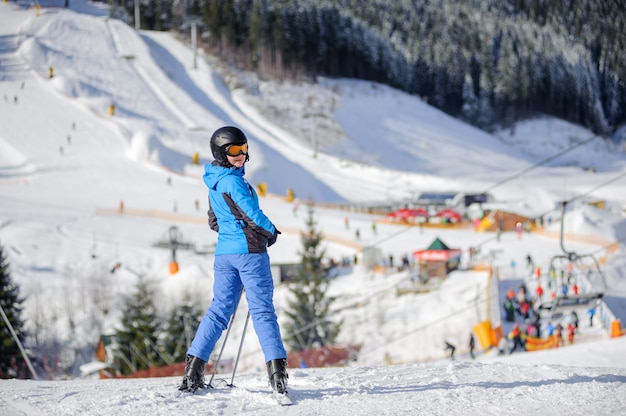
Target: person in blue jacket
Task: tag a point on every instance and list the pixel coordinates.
(241, 261)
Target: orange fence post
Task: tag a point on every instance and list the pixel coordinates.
(616, 328)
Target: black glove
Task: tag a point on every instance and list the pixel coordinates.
(273, 238)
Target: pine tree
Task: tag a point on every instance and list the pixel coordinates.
(180, 329)
(11, 362)
(308, 309)
(470, 110)
(137, 341)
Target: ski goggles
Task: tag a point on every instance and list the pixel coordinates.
(237, 149)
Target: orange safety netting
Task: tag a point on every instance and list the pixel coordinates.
(535, 344)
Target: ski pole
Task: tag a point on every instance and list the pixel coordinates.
(243, 336)
(219, 356)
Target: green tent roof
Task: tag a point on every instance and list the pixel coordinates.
(438, 245)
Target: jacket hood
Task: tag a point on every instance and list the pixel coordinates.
(213, 173)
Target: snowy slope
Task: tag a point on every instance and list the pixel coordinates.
(434, 389)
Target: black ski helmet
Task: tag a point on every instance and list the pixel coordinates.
(224, 137)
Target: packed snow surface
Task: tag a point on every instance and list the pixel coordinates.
(119, 122)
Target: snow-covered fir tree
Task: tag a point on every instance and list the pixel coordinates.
(309, 320)
(138, 338)
(12, 364)
(180, 329)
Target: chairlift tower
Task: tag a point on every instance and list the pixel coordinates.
(137, 16)
(193, 22)
(173, 241)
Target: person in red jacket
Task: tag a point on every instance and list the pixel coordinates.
(571, 330)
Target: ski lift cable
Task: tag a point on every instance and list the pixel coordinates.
(573, 254)
(396, 339)
(503, 181)
(366, 300)
(403, 230)
(572, 200)
(536, 165)
(393, 235)
(608, 246)
(596, 188)
(602, 185)
(564, 204)
(427, 325)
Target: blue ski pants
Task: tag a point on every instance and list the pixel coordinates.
(232, 273)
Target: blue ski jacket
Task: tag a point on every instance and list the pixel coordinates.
(234, 212)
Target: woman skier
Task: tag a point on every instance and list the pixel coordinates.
(241, 261)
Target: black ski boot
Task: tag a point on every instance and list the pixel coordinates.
(277, 372)
(193, 379)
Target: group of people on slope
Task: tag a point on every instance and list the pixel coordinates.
(519, 308)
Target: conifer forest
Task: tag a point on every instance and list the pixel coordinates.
(487, 62)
